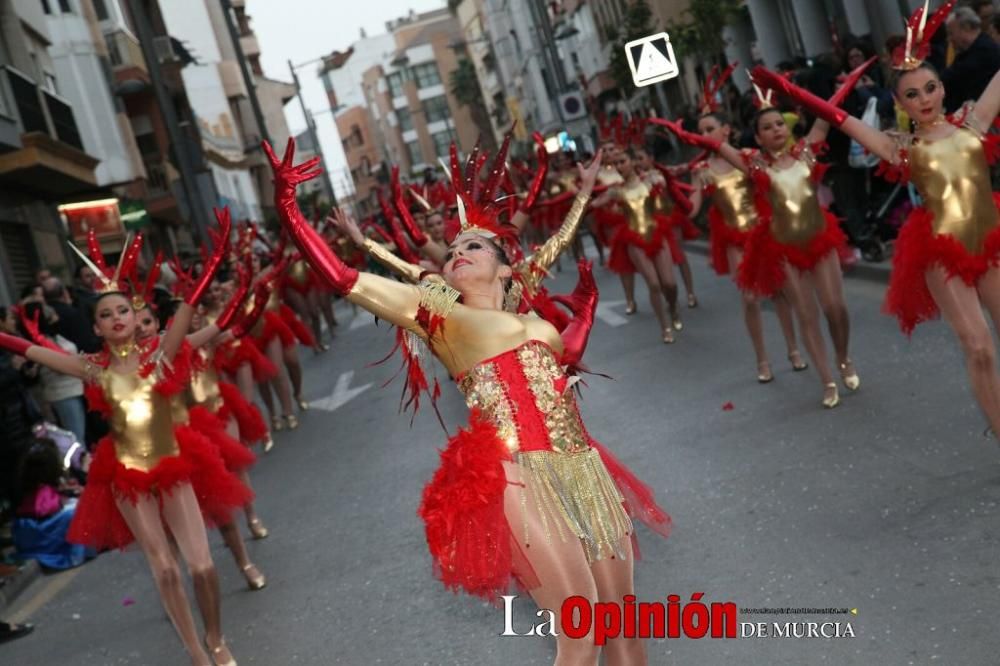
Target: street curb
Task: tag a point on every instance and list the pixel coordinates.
(862, 270)
(14, 585)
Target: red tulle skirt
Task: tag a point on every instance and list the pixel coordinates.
(97, 522)
(664, 232)
(606, 222)
(231, 355)
(249, 420)
(917, 250)
(762, 270)
(286, 327)
(720, 237)
(470, 540)
(235, 455)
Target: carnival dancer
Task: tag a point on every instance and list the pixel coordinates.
(794, 246)
(545, 507)
(154, 473)
(646, 243)
(731, 216)
(947, 255)
(608, 218)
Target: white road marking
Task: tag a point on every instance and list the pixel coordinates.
(342, 393)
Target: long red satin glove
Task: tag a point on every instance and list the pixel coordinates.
(583, 304)
(690, 138)
(828, 110)
(31, 326)
(235, 304)
(409, 224)
(14, 344)
(286, 177)
(220, 241)
(539, 180)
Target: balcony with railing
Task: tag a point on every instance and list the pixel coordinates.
(50, 160)
(127, 62)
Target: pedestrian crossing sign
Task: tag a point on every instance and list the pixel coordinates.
(651, 59)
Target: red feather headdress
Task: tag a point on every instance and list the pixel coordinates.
(919, 31)
(713, 84)
(112, 281)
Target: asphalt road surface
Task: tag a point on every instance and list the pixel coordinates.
(886, 505)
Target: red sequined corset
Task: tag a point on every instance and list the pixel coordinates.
(525, 394)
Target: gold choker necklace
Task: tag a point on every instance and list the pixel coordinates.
(124, 351)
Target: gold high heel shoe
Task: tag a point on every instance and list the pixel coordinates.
(255, 579)
(764, 374)
(675, 320)
(257, 529)
(849, 375)
(798, 365)
(303, 403)
(630, 308)
(217, 652)
(668, 336)
(268, 443)
(831, 398)
(292, 421)
(277, 425)
(692, 301)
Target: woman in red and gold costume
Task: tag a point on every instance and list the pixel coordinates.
(646, 241)
(731, 216)
(154, 473)
(947, 255)
(525, 492)
(794, 246)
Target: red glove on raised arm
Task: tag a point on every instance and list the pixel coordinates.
(31, 326)
(690, 138)
(235, 304)
(583, 304)
(220, 242)
(821, 108)
(14, 344)
(286, 177)
(538, 182)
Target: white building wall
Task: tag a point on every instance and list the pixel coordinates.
(346, 80)
(81, 79)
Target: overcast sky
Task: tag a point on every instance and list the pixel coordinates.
(303, 30)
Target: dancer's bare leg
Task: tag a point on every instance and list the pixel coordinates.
(801, 296)
(300, 304)
(290, 356)
(830, 288)
(268, 399)
(244, 381)
(275, 354)
(628, 286)
(143, 519)
(560, 566)
(253, 521)
(614, 580)
(324, 303)
(751, 312)
(686, 275)
(668, 282)
(960, 306)
(183, 516)
(784, 311)
(645, 266)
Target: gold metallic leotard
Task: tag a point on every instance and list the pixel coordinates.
(204, 387)
(639, 206)
(141, 420)
(797, 216)
(953, 177)
(732, 197)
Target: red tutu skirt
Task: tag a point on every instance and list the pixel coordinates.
(472, 544)
(235, 455)
(606, 224)
(97, 522)
(230, 356)
(286, 327)
(762, 270)
(917, 250)
(248, 417)
(665, 232)
(720, 237)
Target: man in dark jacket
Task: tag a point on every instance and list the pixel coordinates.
(977, 61)
(75, 324)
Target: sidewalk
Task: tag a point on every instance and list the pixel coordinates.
(12, 586)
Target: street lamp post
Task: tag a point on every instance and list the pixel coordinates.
(311, 127)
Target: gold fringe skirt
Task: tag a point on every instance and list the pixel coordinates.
(574, 495)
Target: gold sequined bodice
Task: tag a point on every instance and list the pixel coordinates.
(639, 206)
(733, 198)
(141, 420)
(298, 272)
(204, 387)
(525, 394)
(797, 217)
(953, 177)
(609, 176)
